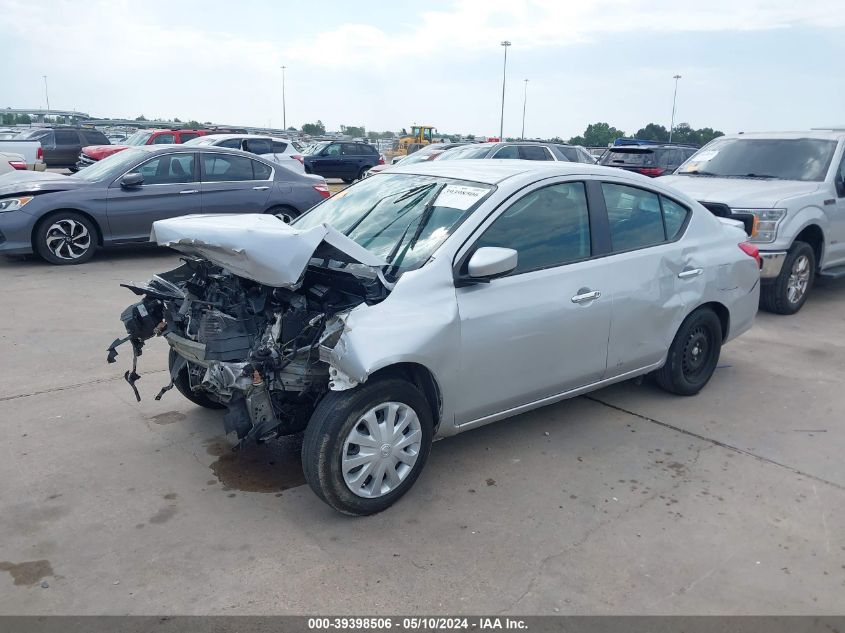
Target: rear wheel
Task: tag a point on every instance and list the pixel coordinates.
(787, 293)
(284, 213)
(348, 181)
(693, 355)
(364, 448)
(183, 385)
(66, 238)
(363, 173)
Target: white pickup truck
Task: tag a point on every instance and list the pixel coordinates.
(792, 185)
(29, 149)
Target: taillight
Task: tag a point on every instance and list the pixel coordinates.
(323, 190)
(18, 164)
(752, 251)
(299, 158)
(381, 160)
(652, 172)
(39, 155)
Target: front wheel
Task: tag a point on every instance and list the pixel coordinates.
(693, 355)
(66, 238)
(364, 448)
(787, 293)
(183, 384)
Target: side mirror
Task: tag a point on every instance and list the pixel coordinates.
(488, 263)
(133, 179)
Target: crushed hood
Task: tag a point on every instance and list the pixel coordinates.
(739, 192)
(258, 247)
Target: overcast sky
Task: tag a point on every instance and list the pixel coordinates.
(746, 64)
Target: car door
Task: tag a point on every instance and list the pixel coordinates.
(328, 162)
(170, 189)
(542, 329)
(234, 183)
(68, 147)
(836, 217)
(353, 159)
(653, 276)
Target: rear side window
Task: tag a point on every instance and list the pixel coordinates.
(534, 152)
(548, 227)
(261, 171)
(258, 145)
(352, 149)
(279, 147)
(187, 136)
(640, 218)
(164, 139)
(93, 137)
(569, 153)
(226, 168)
(66, 137)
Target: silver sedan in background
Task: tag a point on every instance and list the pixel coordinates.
(439, 297)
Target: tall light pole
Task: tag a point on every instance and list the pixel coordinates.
(674, 98)
(504, 71)
(284, 113)
(524, 101)
(46, 94)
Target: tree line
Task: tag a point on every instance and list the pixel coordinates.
(602, 134)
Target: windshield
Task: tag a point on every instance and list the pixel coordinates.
(138, 138)
(316, 148)
(420, 156)
(202, 140)
(784, 159)
(465, 152)
(402, 218)
(111, 166)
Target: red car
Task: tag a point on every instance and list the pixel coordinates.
(92, 153)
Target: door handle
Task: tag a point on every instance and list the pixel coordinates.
(261, 188)
(190, 191)
(694, 272)
(586, 296)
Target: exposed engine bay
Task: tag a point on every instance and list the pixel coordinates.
(238, 344)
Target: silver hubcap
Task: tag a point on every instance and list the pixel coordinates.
(381, 449)
(799, 279)
(68, 239)
(285, 216)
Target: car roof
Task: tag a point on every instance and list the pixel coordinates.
(182, 149)
(494, 171)
(831, 134)
(227, 136)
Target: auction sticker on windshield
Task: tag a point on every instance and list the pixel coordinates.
(460, 196)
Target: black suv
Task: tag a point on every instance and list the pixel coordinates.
(62, 145)
(649, 160)
(341, 159)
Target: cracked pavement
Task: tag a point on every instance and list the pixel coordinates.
(636, 502)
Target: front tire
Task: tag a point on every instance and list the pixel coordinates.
(183, 386)
(693, 355)
(787, 293)
(66, 238)
(364, 448)
(284, 213)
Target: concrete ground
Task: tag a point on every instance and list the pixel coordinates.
(629, 501)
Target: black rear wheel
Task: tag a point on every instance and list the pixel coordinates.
(693, 355)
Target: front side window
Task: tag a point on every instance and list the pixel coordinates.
(164, 139)
(634, 215)
(138, 138)
(226, 168)
(333, 150)
(168, 170)
(508, 151)
(548, 227)
(187, 136)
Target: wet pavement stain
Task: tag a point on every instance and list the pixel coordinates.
(29, 572)
(168, 417)
(163, 515)
(273, 466)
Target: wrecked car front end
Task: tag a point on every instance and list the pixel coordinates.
(250, 342)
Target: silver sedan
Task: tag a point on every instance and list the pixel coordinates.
(439, 297)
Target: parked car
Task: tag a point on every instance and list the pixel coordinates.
(429, 152)
(341, 159)
(522, 150)
(92, 153)
(10, 162)
(280, 150)
(61, 145)
(65, 218)
(439, 297)
(793, 186)
(30, 149)
(648, 160)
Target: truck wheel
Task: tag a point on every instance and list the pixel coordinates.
(66, 238)
(365, 447)
(693, 355)
(183, 386)
(787, 293)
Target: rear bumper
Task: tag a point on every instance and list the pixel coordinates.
(772, 263)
